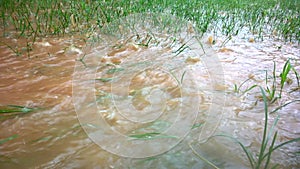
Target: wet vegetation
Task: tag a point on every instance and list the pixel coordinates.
(11, 110)
(268, 95)
(33, 18)
(273, 91)
(267, 147)
(274, 19)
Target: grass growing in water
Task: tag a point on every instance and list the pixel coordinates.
(283, 75)
(154, 130)
(267, 147)
(272, 91)
(269, 95)
(34, 18)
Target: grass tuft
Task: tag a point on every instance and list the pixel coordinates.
(264, 156)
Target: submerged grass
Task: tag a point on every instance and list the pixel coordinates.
(154, 130)
(114, 70)
(10, 111)
(267, 147)
(104, 79)
(151, 135)
(15, 109)
(2, 141)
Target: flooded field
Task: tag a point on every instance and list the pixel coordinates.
(107, 105)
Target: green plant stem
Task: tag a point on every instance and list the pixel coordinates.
(270, 150)
(278, 108)
(264, 142)
(202, 158)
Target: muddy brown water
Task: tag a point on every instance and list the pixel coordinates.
(52, 137)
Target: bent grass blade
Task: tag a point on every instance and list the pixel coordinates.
(278, 108)
(202, 158)
(149, 136)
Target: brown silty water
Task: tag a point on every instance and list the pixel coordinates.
(52, 136)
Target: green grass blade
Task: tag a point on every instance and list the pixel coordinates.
(266, 79)
(272, 128)
(250, 88)
(297, 76)
(202, 158)
(8, 111)
(239, 88)
(197, 125)
(16, 109)
(235, 88)
(247, 152)
(270, 150)
(282, 144)
(285, 71)
(178, 82)
(149, 136)
(41, 139)
(297, 153)
(82, 61)
(264, 141)
(105, 79)
(275, 110)
(274, 74)
(2, 141)
(114, 70)
(182, 77)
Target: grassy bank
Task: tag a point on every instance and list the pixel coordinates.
(32, 18)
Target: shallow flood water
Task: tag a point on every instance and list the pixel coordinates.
(148, 80)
